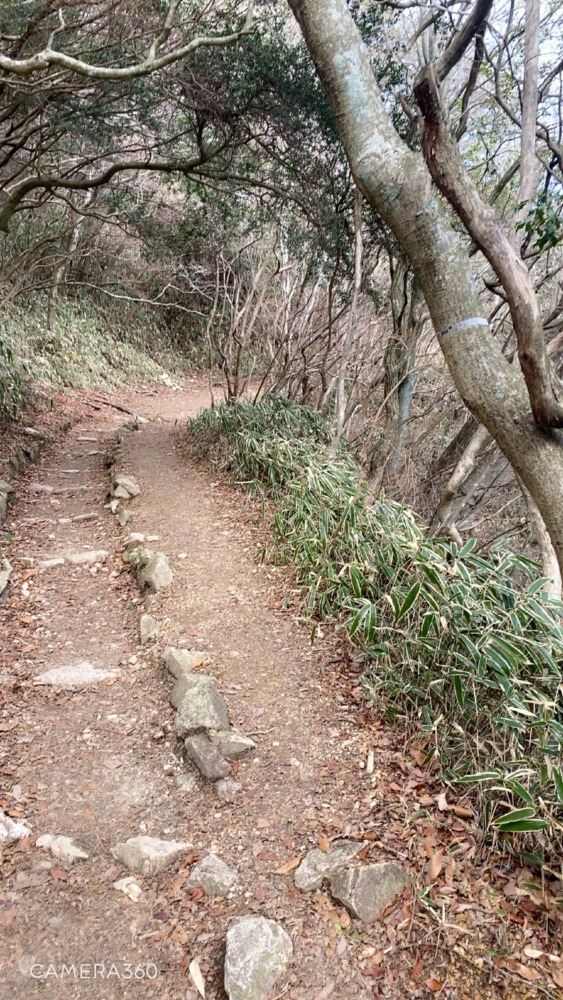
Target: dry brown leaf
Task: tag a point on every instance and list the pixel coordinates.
(435, 866)
(197, 978)
(557, 976)
(323, 843)
(417, 970)
(524, 971)
(289, 866)
(463, 812)
(436, 985)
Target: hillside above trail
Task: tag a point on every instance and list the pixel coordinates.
(103, 759)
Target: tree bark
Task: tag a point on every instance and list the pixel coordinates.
(396, 182)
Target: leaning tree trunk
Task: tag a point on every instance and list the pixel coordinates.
(396, 182)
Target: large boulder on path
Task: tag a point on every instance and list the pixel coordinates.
(258, 953)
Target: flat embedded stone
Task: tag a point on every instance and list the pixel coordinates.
(258, 953)
(39, 488)
(149, 855)
(5, 574)
(87, 557)
(74, 676)
(213, 875)
(227, 789)
(319, 865)
(366, 892)
(206, 758)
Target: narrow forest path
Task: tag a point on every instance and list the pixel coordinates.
(102, 764)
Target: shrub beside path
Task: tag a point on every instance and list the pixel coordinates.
(102, 763)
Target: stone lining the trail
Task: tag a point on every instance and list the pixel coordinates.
(366, 892)
(213, 875)
(179, 660)
(258, 953)
(207, 758)
(202, 707)
(231, 743)
(319, 865)
(149, 855)
(124, 487)
(156, 575)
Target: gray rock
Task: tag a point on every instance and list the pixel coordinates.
(35, 433)
(5, 486)
(156, 574)
(92, 516)
(213, 875)
(319, 865)
(10, 829)
(149, 855)
(148, 627)
(367, 891)
(258, 953)
(134, 539)
(114, 506)
(88, 557)
(5, 574)
(202, 707)
(184, 683)
(206, 757)
(186, 782)
(61, 847)
(231, 743)
(227, 789)
(123, 517)
(3, 507)
(124, 487)
(180, 661)
(77, 675)
(39, 488)
(51, 563)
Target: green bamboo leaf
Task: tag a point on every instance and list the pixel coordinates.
(516, 815)
(409, 601)
(524, 826)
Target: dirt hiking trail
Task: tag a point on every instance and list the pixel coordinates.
(103, 763)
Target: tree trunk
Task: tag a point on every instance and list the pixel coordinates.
(399, 359)
(397, 184)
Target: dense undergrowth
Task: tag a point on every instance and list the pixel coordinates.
(88, 347)
(472, 647)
